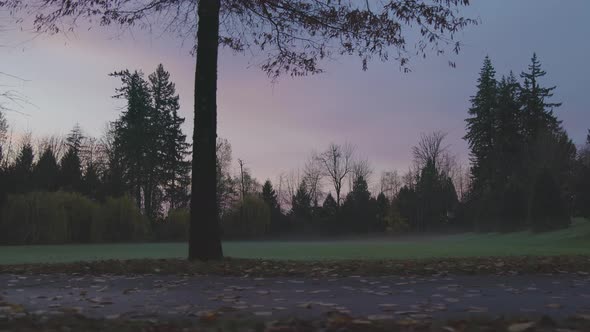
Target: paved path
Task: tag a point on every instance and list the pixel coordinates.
(146, 297)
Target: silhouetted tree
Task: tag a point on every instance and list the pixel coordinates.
(382, 210)
(337, 161)
(357, 208)
(172, 163)
(481, 127)
(21, 172)
(269, 196)
(294, 35)
(135, 140)
(302, 208)
(537, 110)
(46, 172)
(70, 167)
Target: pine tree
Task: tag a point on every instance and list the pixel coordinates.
(357, 209)
(481, 125)
(537, 111)
(70, 164)
(174, 166)
(22, 170)
(270, 196)
(302, 209)
(383, 207)
(134, 139)
(46, 171)
(91, 183)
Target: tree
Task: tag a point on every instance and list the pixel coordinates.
(172, 159)
(312, 174)
(225, 183)
(46, 172)
(383, 211)
(357, 209)
(3, 132)
(22, 169)
(537, 111)
(301, 209)
(390, 184)
(135, 141)
(71, 164)
(481, 125)
(295, 35)
(270, 196)
(337, 161)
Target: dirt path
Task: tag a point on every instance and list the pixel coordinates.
(148, 297)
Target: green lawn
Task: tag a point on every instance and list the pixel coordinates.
(575, 240)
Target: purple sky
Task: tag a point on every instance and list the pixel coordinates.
(274, 127)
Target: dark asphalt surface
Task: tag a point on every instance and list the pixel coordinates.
(146, 297)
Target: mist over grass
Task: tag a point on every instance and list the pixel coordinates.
(572, 241)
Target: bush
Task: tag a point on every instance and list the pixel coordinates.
(118, 220)
(46, 218)
(175, 227)
(252, 218)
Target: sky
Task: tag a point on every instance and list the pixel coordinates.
(274, 127)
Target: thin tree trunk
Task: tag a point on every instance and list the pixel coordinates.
(205, 240)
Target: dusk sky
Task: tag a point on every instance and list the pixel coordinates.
(274, 127)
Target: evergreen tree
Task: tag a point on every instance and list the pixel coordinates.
(22, 170)
(357, 209)
(383, 207)
(480, 126)
(270, 196)
(91, 184)
(302, 209)
(277, 219)
(537, 110)
(70, 164)
(46, 171)
(134, 137)
(173, 164)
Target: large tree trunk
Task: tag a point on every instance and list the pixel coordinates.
(205, 240)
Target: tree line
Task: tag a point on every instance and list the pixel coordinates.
(134, 182)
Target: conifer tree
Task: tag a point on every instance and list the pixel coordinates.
(133, 136)
(537, 110)
(174, 168)
(302, 208)
(46, 172)
(481, 125)
(70, 163)
(21, 172)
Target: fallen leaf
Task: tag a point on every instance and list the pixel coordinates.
(521, 327)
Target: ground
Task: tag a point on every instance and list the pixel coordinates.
(471, 282)
(571, 241)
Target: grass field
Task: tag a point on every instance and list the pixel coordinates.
(575, 240)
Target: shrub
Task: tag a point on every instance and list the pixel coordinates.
(252, 218)
(118, 220)
(175, 227)
(46, 218)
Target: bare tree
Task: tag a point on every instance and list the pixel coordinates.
(430, 149)
(461, 180)
(390, 184)
(337, 162)
(294, 36)
(360, 168)
(312, 174)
